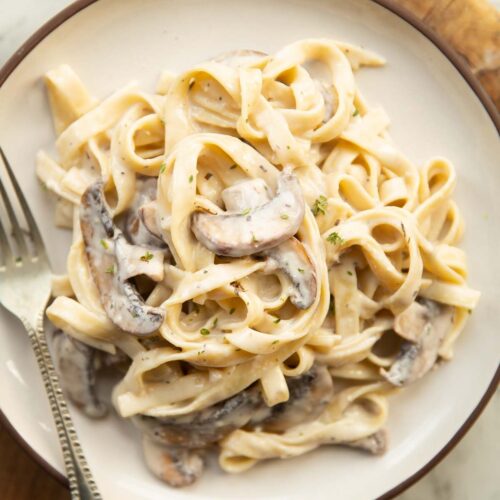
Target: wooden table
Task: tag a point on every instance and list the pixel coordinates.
(472, 27)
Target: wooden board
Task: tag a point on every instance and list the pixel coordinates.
(472, 28)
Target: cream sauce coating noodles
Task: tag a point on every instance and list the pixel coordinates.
(379, 238)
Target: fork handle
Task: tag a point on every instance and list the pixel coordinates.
(81, 483)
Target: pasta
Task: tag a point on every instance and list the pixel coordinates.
(251, 246)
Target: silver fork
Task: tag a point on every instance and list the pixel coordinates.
(25, 290)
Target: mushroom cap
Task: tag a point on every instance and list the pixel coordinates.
(291, 258)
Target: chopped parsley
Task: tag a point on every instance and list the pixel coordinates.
(191, 178)
(110, 270)
(214, 324)
(335, 238)
(356, 112)
(163, 166)
(104, 244)
(147, 256)
(349, 273)
(300, 270)
(276, 321)
(254, 239)
(205, 331)
(320, 205)
(246, 211)
(274, 342)
(284, 216)
(231, 311)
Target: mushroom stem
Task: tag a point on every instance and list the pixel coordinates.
(309, 394)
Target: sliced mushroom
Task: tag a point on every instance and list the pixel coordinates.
(328, 99)
(77, 365)
(203, 428)
(176, 466)
(112, 261)
(253, 230)
(292, 259)
(416, 358)
(290, 256)
(375, 443)
(140, 224)
(309, 394)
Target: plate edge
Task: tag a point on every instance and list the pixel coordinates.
(456, 60)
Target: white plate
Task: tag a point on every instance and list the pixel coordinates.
(433, 112)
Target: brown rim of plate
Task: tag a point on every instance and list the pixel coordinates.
(468, 76)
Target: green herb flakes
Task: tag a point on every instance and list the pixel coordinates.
(319, 206)
(335, 238)
(147, 256)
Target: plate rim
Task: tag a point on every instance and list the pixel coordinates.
(473, 82)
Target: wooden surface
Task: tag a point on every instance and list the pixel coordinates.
(472, 27)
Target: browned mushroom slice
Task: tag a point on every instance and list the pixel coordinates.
(417, 358)
(309, 394)
(77, 365)
(203, 428)
(140, 223)
(176, 466)
(105, 247)
(253, 230)
(291, 256)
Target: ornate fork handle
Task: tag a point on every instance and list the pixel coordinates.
(81, 482)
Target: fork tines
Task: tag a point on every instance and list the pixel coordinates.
(19, 235)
